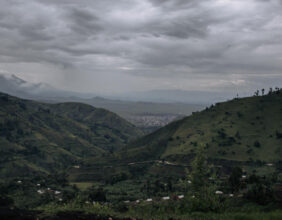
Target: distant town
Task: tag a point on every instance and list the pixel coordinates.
(153, 120)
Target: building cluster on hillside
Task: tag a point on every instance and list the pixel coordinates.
(153, 120)
(165, 198)
(174, 198)
(41, 191)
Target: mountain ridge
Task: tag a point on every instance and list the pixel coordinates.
(38, 137)
(245, 132)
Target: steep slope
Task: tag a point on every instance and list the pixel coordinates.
(121, 130)
(36, 137)
(242, 131)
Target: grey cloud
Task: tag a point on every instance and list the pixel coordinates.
(84, 22)
(175, 4)
(144, 38)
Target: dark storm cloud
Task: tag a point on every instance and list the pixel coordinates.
(175, 4)
(84, 22)
(164, 39)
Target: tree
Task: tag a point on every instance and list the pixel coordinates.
(237, 135)
(204, 198)
(169, 185)
(235, 178)
(260, 193)
(5, 201)
(97, 194)
(262, 91)
(257, 144)
(200, 170)
(270, 91)
(278, 135)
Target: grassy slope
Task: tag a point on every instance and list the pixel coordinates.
(229, 130)
(120, 128)
(36, 137)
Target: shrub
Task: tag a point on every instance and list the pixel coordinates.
(257, 144)
(6, 201)
(221, 133)
(237, 135)
(97, 194)
(120, 207)
(206, 202)
(249, 151)
(235, 178)
(278, 135)
(259, 193)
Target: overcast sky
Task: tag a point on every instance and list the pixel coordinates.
(119, 46)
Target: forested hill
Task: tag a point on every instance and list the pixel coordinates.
(37, 137)
(245, 130)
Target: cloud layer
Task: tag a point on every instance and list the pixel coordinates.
(119, 46)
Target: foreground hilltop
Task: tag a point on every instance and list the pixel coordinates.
(245, 131)
(39, 138)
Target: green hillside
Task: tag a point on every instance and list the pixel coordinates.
(103, 164)
(39, 138)
(244, 132)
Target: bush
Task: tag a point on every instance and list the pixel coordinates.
(118, 178)
(260, 193)
(205, 202)
(235, 178)
(97, 194)
(221, 133)
(6, 201)
(278, 135)
(257, 144)
(120, 207)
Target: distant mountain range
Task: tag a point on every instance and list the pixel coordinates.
(181, 96)
(11, 84)
(14, 85)
(148, 115)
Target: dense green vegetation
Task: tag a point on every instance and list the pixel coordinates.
(254, 197)
(221, 163)
(244, 132)
(43, 138)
